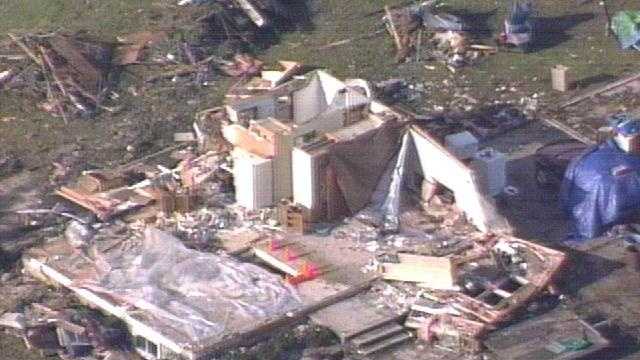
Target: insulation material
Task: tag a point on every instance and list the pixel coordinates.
(391, 205)
(253, 180)
(188, 295)
(359, 164)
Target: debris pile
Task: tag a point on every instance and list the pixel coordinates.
(269, 192)
(75, 70)
(449, 37)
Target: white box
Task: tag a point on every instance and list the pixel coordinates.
(463, 145)
(490, 169)
(253, 179)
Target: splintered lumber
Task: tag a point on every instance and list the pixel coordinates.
(252, 12)
(350, 40)
(569, 131)
(25, 48)
(183, 70)
(103, 208)
(605, 9)
(59, 81)
(87, 73)
(430, 271)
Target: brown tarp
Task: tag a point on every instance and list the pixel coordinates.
(360, 163)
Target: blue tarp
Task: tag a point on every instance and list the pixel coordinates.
(594, 197)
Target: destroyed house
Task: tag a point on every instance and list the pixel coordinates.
(177, 303)
(325, 144)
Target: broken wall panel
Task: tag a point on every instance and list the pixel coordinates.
(309, 101)
(282, 138)
(249, 141)
(440, 165)
(256, 107)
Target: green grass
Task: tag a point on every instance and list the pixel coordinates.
(100, 17)
(580, 45)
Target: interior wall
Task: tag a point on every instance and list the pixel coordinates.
(437, 163)
(309, 101)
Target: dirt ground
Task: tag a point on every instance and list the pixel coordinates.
(568, 34)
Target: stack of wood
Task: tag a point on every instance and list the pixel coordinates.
(75, 70)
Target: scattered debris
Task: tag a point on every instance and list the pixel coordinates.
(133, 45)
(518, 26)
(76, 72)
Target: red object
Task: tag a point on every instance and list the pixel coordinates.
(274, 245)
(308, 272)
(290, 255)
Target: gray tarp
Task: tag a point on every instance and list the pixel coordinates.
(360, 163)
(189, 295)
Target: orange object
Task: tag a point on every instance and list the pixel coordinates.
(308, 272)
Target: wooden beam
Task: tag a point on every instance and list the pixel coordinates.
(600, 90)
(569, 131)
(275, 262)
(392, 28)
(25, 48)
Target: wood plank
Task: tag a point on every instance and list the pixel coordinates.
(275, 262)
(430, 271)
(392, 28)
(600, 90)
(569, 131)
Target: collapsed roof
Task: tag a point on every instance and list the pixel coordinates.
(183, 300)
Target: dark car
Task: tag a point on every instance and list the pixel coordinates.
(553, 159)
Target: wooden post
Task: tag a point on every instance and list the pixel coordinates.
(561, 78)
(392, 28)
(419, 45)
(607, 30)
